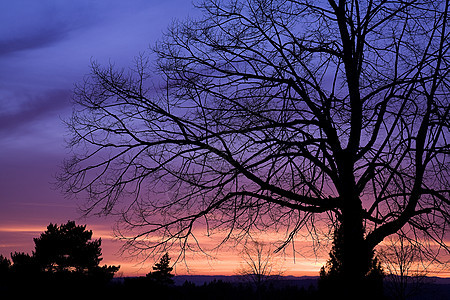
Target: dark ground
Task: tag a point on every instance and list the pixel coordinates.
(198, 288)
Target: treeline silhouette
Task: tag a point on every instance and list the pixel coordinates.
(66, 265)
(217, 289)
(66, 261)
(27, 283)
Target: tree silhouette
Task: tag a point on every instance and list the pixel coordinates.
(69, 248)
(331, 277)
(405, 265)
(275, 115)
(259, 266)
(24, 265)
(5, 265)
(5, 271)
(161, 271)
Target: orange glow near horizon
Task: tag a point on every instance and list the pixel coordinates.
(222, 262)
(225, 261)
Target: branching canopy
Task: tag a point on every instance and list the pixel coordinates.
(273, 114)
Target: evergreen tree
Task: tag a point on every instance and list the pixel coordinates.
(331, 275)
(24, 264)
(69, 249)
(161, 271)
(5, 267)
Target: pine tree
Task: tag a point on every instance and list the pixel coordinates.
(161, 271)
(69, 248)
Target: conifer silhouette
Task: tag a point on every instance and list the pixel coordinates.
(161, 271)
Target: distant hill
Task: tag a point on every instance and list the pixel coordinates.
(283, 281)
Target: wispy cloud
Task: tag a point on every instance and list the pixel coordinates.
(25, 110)
(22, 228)
(29, 24)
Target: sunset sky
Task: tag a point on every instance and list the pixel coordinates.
(45, 47)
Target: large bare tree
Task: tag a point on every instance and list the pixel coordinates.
(275, 114)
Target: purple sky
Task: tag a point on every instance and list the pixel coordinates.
(45, 47)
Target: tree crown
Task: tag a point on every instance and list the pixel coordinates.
(280, 115)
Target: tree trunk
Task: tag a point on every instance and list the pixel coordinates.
(355, 257)
(355, 254)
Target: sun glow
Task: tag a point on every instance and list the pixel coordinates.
(305, 259)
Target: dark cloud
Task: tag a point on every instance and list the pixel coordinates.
(31, 41)
(29, 24)
(33, 109)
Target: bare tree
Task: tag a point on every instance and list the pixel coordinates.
(259, 264)
(406, 266)
(280, 115)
